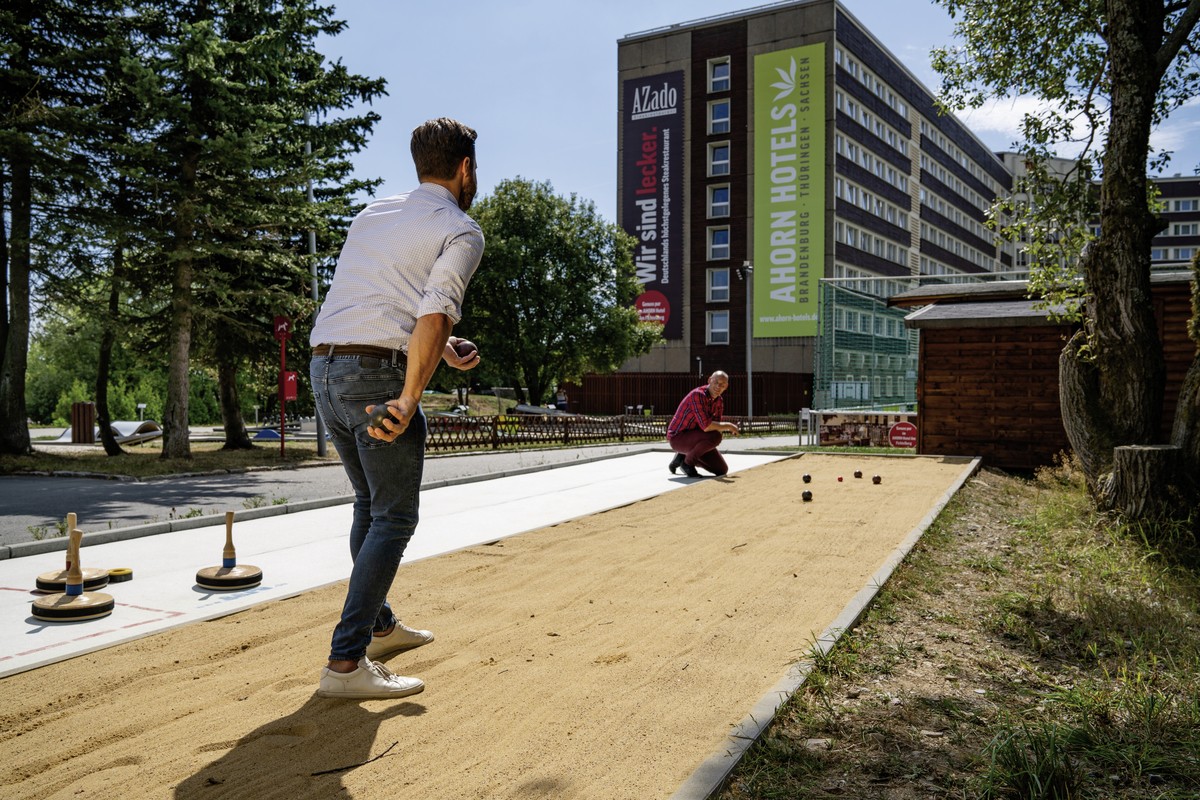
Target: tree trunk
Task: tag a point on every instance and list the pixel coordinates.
(236, 437)
(103, 416)
(14, 349)
(1142, 484)
(175, 414)
(1125, 367)
(1092, 439)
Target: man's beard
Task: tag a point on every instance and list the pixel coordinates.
(467, 195)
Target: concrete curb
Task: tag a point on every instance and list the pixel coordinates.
(709, 778)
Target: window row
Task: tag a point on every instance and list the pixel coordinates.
(871, 203)
(851, 321)
(848, 234)
(957, 246)
(863, 282)
(950, 148)
(870, 162)
(868, 79)
(953, 214)
(855, 111)
(843, 359)
(949, 179)
(1172, 253)
(881, 386)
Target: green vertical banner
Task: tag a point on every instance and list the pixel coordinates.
(789, 190)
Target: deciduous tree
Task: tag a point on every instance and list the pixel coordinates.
(553, 297)
(1105, 73)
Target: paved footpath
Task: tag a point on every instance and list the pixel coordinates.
(33, 505)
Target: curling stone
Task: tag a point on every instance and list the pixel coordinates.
(230, 576)
(74, 604)
(806, 478)
(858, 473)
(93, 578)
(876, 479)
(806, 496)
(120, 574)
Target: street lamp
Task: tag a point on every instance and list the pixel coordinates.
(699, 367)
(312, 265)
(746, 272)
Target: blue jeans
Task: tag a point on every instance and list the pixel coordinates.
(386, 477)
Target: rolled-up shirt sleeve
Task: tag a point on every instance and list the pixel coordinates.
(447, 284)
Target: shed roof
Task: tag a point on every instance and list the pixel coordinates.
(992, 290)
(983, 314)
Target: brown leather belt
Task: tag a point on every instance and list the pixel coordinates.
(395, 356)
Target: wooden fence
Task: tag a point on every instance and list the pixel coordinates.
(452, 433)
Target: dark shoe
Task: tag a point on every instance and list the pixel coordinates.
(676, 463)
(690, 471)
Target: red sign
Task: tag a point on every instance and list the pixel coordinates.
(653, 306)
(283, 328)
(290, 381)
(902, 434)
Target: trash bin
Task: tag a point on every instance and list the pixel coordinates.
(83, 423)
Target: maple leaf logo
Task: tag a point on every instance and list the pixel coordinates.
(787, 81)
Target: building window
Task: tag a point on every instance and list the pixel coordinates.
(718, 75)
(1185, 229)
(718, 327)
(1158, 254)
(1184, 253)
(718, 285)
(1187, 205)
(718, 159)
(718, 116)
(718, 244)
(718, 201)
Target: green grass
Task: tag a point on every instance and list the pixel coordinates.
(144, 461)
(1065, 668)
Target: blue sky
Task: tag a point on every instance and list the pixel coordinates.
(538, 80)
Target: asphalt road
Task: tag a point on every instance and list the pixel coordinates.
(34, 505)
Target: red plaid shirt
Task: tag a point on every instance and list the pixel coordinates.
(696, 410)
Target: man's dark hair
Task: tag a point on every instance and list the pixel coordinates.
(439, 146)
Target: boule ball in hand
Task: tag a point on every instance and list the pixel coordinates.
(379, 414)
(465, 347)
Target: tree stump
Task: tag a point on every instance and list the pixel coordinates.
(1142, 482)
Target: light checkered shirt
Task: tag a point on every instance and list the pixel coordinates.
(405, 256)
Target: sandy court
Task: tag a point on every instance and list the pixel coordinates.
(605, 657)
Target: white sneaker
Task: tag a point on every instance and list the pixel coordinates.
(370, 680)
(402, 637)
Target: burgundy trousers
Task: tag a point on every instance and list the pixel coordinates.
(699, 448)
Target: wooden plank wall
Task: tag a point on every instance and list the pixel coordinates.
(993, 392)
(1173, 306)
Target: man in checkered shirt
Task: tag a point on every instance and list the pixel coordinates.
(696, 429)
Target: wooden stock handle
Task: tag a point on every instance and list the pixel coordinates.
(229, 555)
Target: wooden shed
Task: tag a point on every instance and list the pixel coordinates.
(987, 375)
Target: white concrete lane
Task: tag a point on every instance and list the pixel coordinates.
(306, 550)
